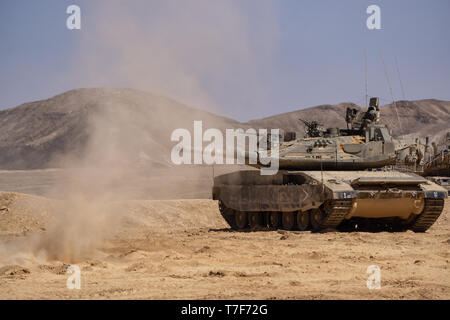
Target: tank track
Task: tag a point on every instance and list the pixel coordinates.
(431, 212)
(336, 211)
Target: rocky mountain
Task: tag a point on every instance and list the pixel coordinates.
(95, 125)
(105, 125)
(422, 117)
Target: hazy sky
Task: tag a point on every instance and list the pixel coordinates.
(244, 59)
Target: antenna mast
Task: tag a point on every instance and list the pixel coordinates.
(392, 94)
(400, 79)
(365, 72)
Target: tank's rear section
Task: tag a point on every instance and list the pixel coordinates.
(329, 199)
(439, 162)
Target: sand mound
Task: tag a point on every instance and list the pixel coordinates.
(68, 231)
(172, 214)
(22, 214)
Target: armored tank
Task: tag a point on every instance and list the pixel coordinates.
(437, 168)
(333, 178)
(439, 161)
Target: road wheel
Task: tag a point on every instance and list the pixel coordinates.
(274, 220)
(288, 220)
(254, 220)
(317, 218)
(303, 220)
(241, 219)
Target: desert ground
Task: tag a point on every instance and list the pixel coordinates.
(182, 249)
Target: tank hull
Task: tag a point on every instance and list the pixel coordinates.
(330, 199)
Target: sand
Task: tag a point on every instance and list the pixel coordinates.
(182, 249)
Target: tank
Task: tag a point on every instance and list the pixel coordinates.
(437, 168)
(438, 163)
(332, 179)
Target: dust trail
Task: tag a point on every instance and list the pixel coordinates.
(171, 55)
(176, 49)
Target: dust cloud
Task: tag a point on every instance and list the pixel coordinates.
(171, 55)
(177, 50)
(84, 212)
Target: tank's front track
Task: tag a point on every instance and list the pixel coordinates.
(431, 212)
(329, 215)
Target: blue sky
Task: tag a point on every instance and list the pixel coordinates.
(244, 59)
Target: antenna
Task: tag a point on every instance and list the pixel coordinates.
(365, 72)
(399, 78)
(392, 94)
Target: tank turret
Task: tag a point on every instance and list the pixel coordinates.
(365, 143)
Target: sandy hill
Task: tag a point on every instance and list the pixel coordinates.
(122, 124)
(107, 125)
